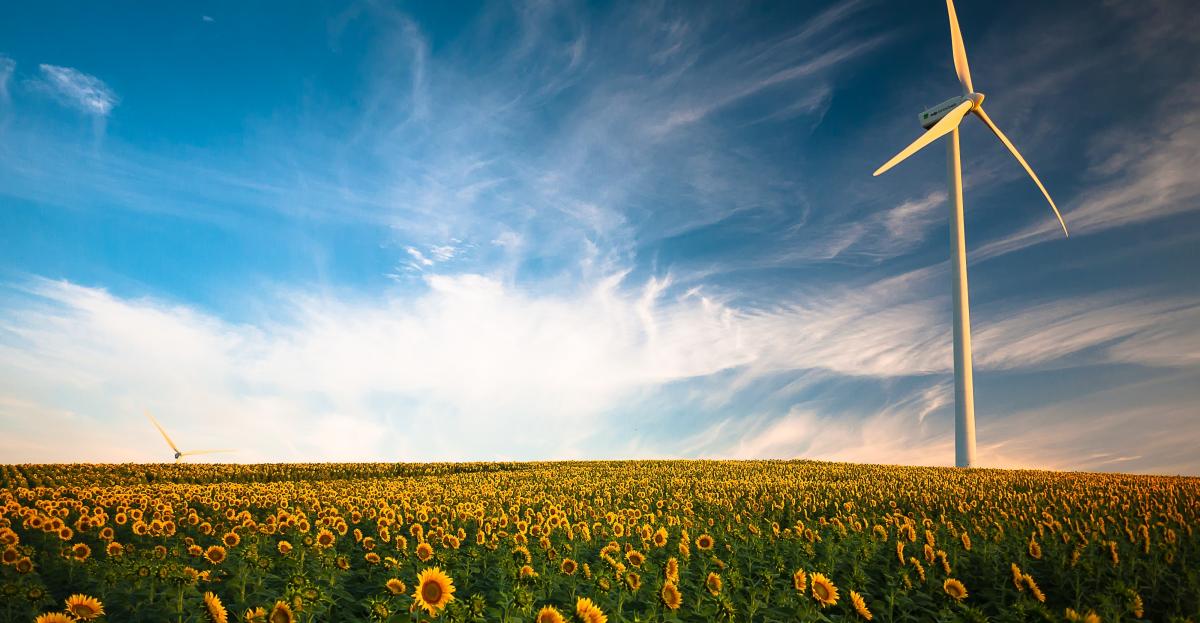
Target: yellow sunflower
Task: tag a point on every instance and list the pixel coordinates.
(635, 558)
(80, 551)
(285, 548)
(528, 572)
(84, 607)
(955, 589)
(713, 583)
(216, 609)
(255, 615)
(568, 566)
(396, 587)
(823, 590)
(589, 612)
(549, 614)
(434, 590)
(800, 580)
(325, 539)
(231, 539)
(424, 551)
(704, 542)
(860, 606)
(215, 554)
(54, 617)
(281, 613)
(671, 597)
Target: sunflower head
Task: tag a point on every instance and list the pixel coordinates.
(549, 614)
(281, 613)
(800, 580)
(84, 607)
(589, 612)
(823, 590)
(396, 587)
(215, 554)
(216, 609)
(255, 615)
(54, 617)
(860, 606)
(713, 583)
(569, 566)
(424, 551)
(955, 589)
(671, 597)
(704, 542)
(434, 590)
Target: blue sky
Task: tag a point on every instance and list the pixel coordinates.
(419, 231)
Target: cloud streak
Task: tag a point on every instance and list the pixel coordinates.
(84, 92)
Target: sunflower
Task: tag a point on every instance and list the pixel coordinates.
(800, 580)
(23, 565)
(424, 551)
(860, 605)
(1035, 549)
(84, 607)
(9, 556)
(54, 617)
(215, 554)
(231, 539)
(955, 589)
(434, 590)
(589, 612)
(672, 570)
(255, 615)
(528, 572)
(114, 549)
(549, 614)
(713, 583)
(284, 547)
(372, 558)
(568, 566)
(635, 558)
(396, 587)
(671, 597)
(1034, 589)
(325, 539)
(633, 581)
(80, 552)
(281, 613)
(216, 609)
(823, 590)
(1016, 577)
(660, 537)
(704, 542)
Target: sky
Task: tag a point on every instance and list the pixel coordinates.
(559, 230)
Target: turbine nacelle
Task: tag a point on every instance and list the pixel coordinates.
(930, 116)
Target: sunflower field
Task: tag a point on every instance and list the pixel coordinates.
(591, 542)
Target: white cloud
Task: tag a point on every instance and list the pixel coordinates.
(74, 88)
(7, 67)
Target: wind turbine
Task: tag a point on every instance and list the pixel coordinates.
(939, 121)
(179, 454)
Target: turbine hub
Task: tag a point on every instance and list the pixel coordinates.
(977, 98)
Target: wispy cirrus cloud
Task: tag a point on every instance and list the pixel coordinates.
(7, 67)
(76, 89)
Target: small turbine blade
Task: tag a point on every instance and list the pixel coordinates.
(959, 51)
(160, 430)
(939, 129)
(1016, 154)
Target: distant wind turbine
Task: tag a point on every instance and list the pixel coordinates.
(939, 121)
(179, 454)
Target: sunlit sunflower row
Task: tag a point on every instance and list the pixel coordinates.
(593, 542)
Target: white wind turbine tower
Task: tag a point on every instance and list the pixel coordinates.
(939, 121)
(179, 454)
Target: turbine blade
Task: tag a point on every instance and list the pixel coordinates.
(163, 432)
(196, 452)
(1016, 154)
(959, 50)
(939, 129)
